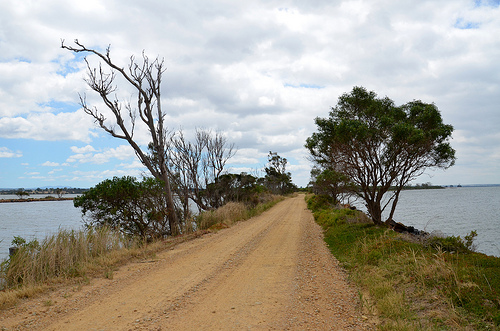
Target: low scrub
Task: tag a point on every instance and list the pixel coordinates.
(413, 283)
(224, 216)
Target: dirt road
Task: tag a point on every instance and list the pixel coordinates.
(272, 272)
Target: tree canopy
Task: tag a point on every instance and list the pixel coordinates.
(377, 145)
(277, 179)
(131, 206)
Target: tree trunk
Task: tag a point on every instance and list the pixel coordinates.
(375, 212)
(173, 221)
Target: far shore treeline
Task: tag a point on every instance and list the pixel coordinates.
(38, 191)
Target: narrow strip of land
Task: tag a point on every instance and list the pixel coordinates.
(270, 272)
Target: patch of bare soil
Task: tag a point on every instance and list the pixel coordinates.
(272, 272)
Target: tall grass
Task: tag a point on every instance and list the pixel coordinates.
(413, 283)
(64, 254)
(67, 254)
(233, 212)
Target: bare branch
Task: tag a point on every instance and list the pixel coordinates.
(145, 78)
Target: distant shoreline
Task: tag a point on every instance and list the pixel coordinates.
(37, 199)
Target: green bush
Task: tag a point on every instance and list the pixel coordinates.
(136, 208)
(318, 202)
(454, 243)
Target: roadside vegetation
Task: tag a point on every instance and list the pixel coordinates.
(412, 282)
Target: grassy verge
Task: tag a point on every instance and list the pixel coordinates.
(69, 257)
(413, 283)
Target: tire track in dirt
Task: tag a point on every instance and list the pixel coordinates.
(254, 292)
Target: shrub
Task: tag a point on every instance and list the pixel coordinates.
(135, 208)
(453, 243)
(318, 202)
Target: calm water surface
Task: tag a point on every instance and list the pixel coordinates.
(453, 211)
(35, 219)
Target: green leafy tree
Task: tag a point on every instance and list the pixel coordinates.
(135, 208)
(236, 188)
(330, 182)
(277, 179)
(377, 144)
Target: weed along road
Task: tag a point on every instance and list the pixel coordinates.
(272, 272)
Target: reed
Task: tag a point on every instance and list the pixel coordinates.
(64, 254)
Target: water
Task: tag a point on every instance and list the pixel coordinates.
(454, 211)
(36, 219)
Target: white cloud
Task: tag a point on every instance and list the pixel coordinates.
(260, 71)
(32, 173)
(136, 164)
(50, 164)
(86, 154)
(7, 153)
(82, 150)
(97, 176)
(247, 156)
(48, 126)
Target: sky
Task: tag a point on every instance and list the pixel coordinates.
(258, 71)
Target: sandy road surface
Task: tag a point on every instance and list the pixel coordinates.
(272, 272)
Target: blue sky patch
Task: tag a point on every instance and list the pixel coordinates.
(304, 86)
(487, 3)
(23, 59)
(60, 106)
(465, 25)
(70, 66)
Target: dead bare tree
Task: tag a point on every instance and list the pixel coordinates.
(185, 158)
(218, 153)
(145, 77)
(197, 166)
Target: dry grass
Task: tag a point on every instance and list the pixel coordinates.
(102, 265)
(10, 297)
(64, 254)
(224, 216)
(407, 285)
(233, 212)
